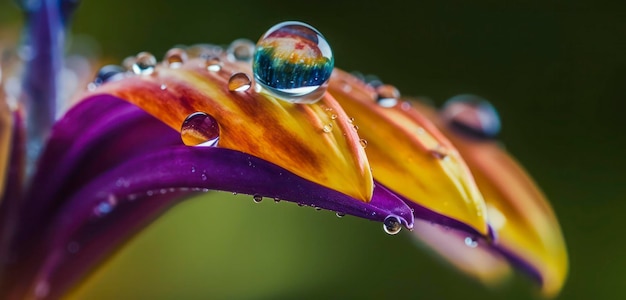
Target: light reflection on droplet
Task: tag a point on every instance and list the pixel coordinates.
(144, 64)
(200, 129)
(239, 82)
(175, 58)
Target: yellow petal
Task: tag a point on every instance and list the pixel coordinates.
(518, 212)
(314, 141)
(410, 156)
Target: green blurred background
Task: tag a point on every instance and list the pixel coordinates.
(556, 72)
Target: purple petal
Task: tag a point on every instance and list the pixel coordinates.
(126, 182)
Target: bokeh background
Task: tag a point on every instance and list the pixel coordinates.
(556, 72)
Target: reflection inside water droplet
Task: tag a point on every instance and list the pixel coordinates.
(471, 242)
(213, 63)
(387, 95)
(200, 129)
(293, 62)
(239, 82)
(257, 198)
(175, 58)
(392, 225)
(144, 64)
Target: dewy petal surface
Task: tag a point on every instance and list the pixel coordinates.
(293, 136)
(527, 229)
(410, 156)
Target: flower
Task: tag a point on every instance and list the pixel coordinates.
(143, 139)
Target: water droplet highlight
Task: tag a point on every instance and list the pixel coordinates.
(471, 242)
(109, 73)
(200, 129)
(175, 58)
(213, 63)
(240, 50)
(363, 143)
(333, 116)
(340, 214)
(472, 115)
(392, 225)
(327, 128)
(293, 62)
(387, 95)
(144, 64)
(239, 82)
(257, 198)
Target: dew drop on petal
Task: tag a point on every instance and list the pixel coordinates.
(333, 117)
(327, 128)
(472, 115)
(363, 143)
(372, 80)
(213, 63)
(144, 63)
(340, 214)
(392, 225)
(240, 50)
(200, 129)
(109, 73)
(387, 95)
(239, 82)
(439, 152)
(175, 58)
(471, 242)
(257, 198)
(293, 62)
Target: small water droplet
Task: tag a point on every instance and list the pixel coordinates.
(109, 73)
(163, 87)
(327, 128)
(239, 82)
(392, 225)
(276, 200)
(356, 127)
(240, 50)
(204, 50)
(293, 62)
(193, 169)
(318, 208)
(106, 206)
(200, 129)
(333, 116)
(472, 115)
(175, 58)
(301, 204)
(387, 95)
(203, 177)
(234, 193)
(128, 63)
(340, 214)
(257, 198)
(350, 120)
(363, 143)
(439, 152)
(213, 63)
(372, 80)
(144, 64)
(471, 242)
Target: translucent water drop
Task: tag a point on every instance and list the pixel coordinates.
(239, 82)
(276, 200)
(471, 242)
(257, 198)
(240, 50)
(372, 80)
(128, 62)
(108, 73)
(333, 117)
(163, 87)
(392, 225)
(293, 62)
(472, 115)
(200, 129)
(327, 128)
(387, 95)
(340, 214)
(175, 58)
(144, 63)
(318, 208)
(363, 143)
(439, 152)
(106, 206)
(213, 63)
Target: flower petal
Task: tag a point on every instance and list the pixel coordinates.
(303, 139)
(528, 231)
(121, 193)
(410, 156)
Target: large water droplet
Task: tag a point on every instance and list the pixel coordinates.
(293, 62)
(108, 73)
(175, 58)
(240, 50)
(392, 225)
(472, 115)
(144, 63)
(387, 95)
(200, 129)
(239, 82)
